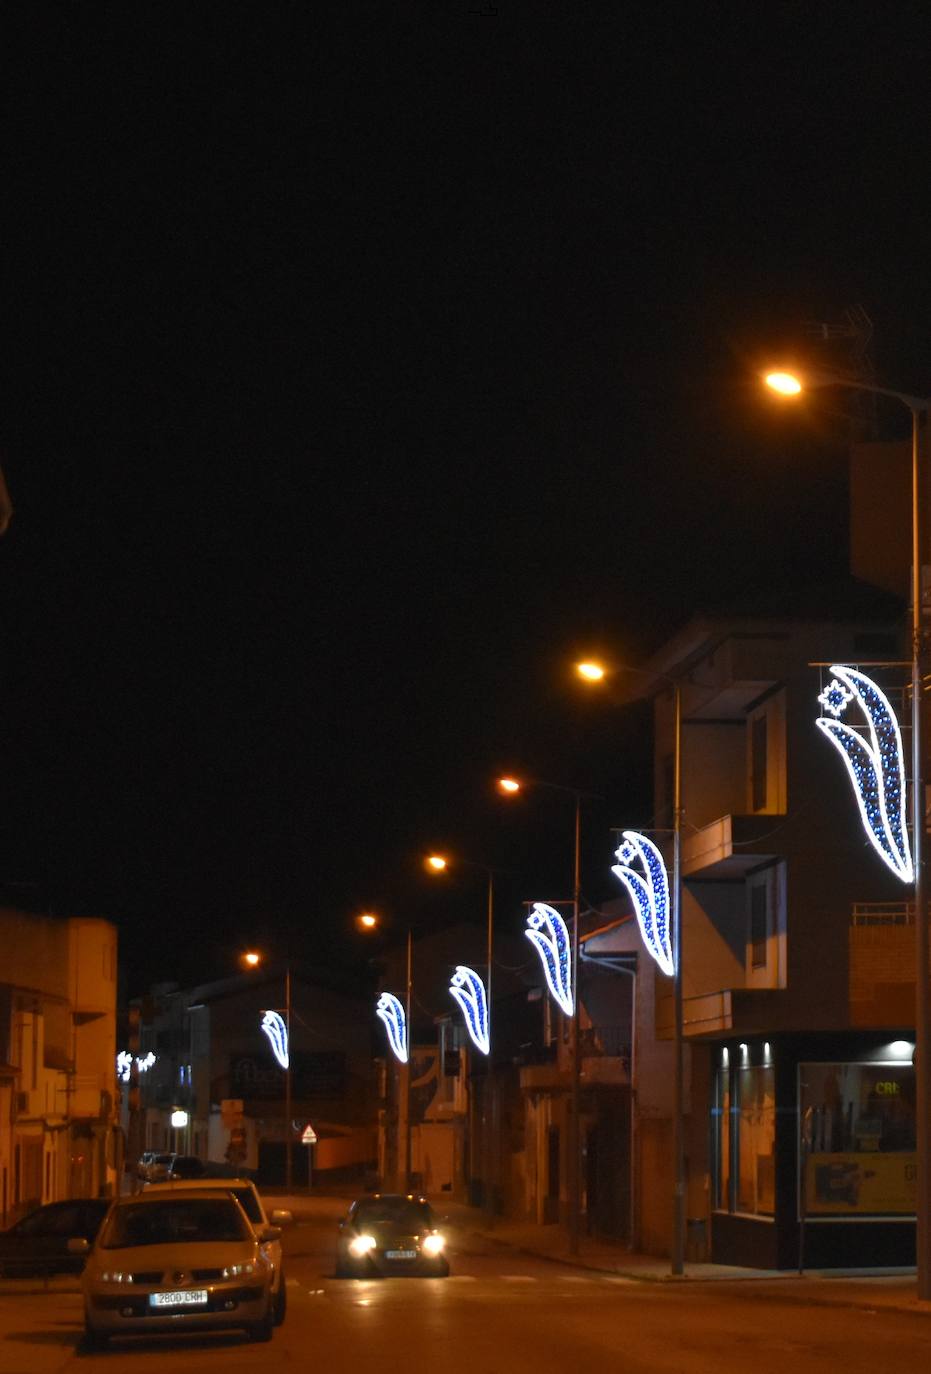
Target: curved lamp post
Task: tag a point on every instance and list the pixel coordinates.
(595, 672)
(510, 787)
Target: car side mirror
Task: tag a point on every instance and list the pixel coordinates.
(282, 1217)
(267, 1233)
(78, 1245)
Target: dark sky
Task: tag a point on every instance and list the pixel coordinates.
(365, 361)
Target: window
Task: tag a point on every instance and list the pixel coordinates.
(759, 923)
(756, 1136)
(744, 1136)
(857, 1139)
(758, 774)
(722, 1140)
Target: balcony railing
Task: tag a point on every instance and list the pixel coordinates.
(605, 1042)
(883, 914)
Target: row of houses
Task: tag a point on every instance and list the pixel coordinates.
(799, 989)
(799, 992)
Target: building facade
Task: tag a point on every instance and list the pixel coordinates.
(209, 1083)
(59, 1120)
(797, 968)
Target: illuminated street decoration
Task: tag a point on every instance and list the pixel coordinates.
(649, 892)
(876, 767)
(124, 1064)
(552, 945)
(469, 991)
(390, 1011)
(274, 1027)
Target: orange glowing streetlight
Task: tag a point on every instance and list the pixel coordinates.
(251, 958)
(437, 863)
(367, 920)
(784, 383)
(591, 671)
(508, 786)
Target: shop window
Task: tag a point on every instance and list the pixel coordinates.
(722, 1140)
(857, 1146)
(756, 1140)
(744, 1137)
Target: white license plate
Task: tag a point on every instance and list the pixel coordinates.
(400, 1254)
(188, 1297)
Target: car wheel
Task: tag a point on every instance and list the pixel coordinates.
(262, 1331)
(281, 1302)
(442, 1269)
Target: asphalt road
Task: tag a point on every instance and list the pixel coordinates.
(499, 1311)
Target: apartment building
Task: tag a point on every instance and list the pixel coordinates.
(59, 1129)
(797, 959)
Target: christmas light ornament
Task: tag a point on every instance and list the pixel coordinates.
(547, 930)
(875, 766)
(390, 1011)
(649, 892)
(274, 1027)
(469, 991)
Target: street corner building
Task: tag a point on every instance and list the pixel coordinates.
(59, 1126)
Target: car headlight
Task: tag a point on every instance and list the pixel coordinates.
(361, 1245)
(115, 1276)
(233, 1271)
(433, 1244)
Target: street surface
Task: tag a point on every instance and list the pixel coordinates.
(499, 1311)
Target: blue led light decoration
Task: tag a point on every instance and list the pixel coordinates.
(547, 930)
(274, 1027)
(875, 766)
(649, 892)
(469, 991)
(390, 1011)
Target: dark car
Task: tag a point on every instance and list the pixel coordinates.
(390, 1233)
(38, 1243)
(186, 1166)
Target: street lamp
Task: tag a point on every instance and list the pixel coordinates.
(510, 787)
(252, 959)
(596, 672)
(438, 863)
(368, 921)
(790, 384)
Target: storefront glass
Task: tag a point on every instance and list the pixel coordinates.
(756, 1141)
(745, 1139)
(857, 1139)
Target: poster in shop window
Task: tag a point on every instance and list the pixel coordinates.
(861, 1184)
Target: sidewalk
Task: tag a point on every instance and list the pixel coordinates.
(866, 1288)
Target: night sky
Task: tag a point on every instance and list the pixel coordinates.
(366, 362)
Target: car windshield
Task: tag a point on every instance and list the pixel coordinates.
(249, 1203)
(174, 1221)
(393, 1211)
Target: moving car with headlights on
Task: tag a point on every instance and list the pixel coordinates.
(247, 1195)
(390, 1233)
(38, 1242)
(178, 1261)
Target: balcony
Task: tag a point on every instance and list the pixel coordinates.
(540, 1070)
(728, 848)
(605, 1055)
